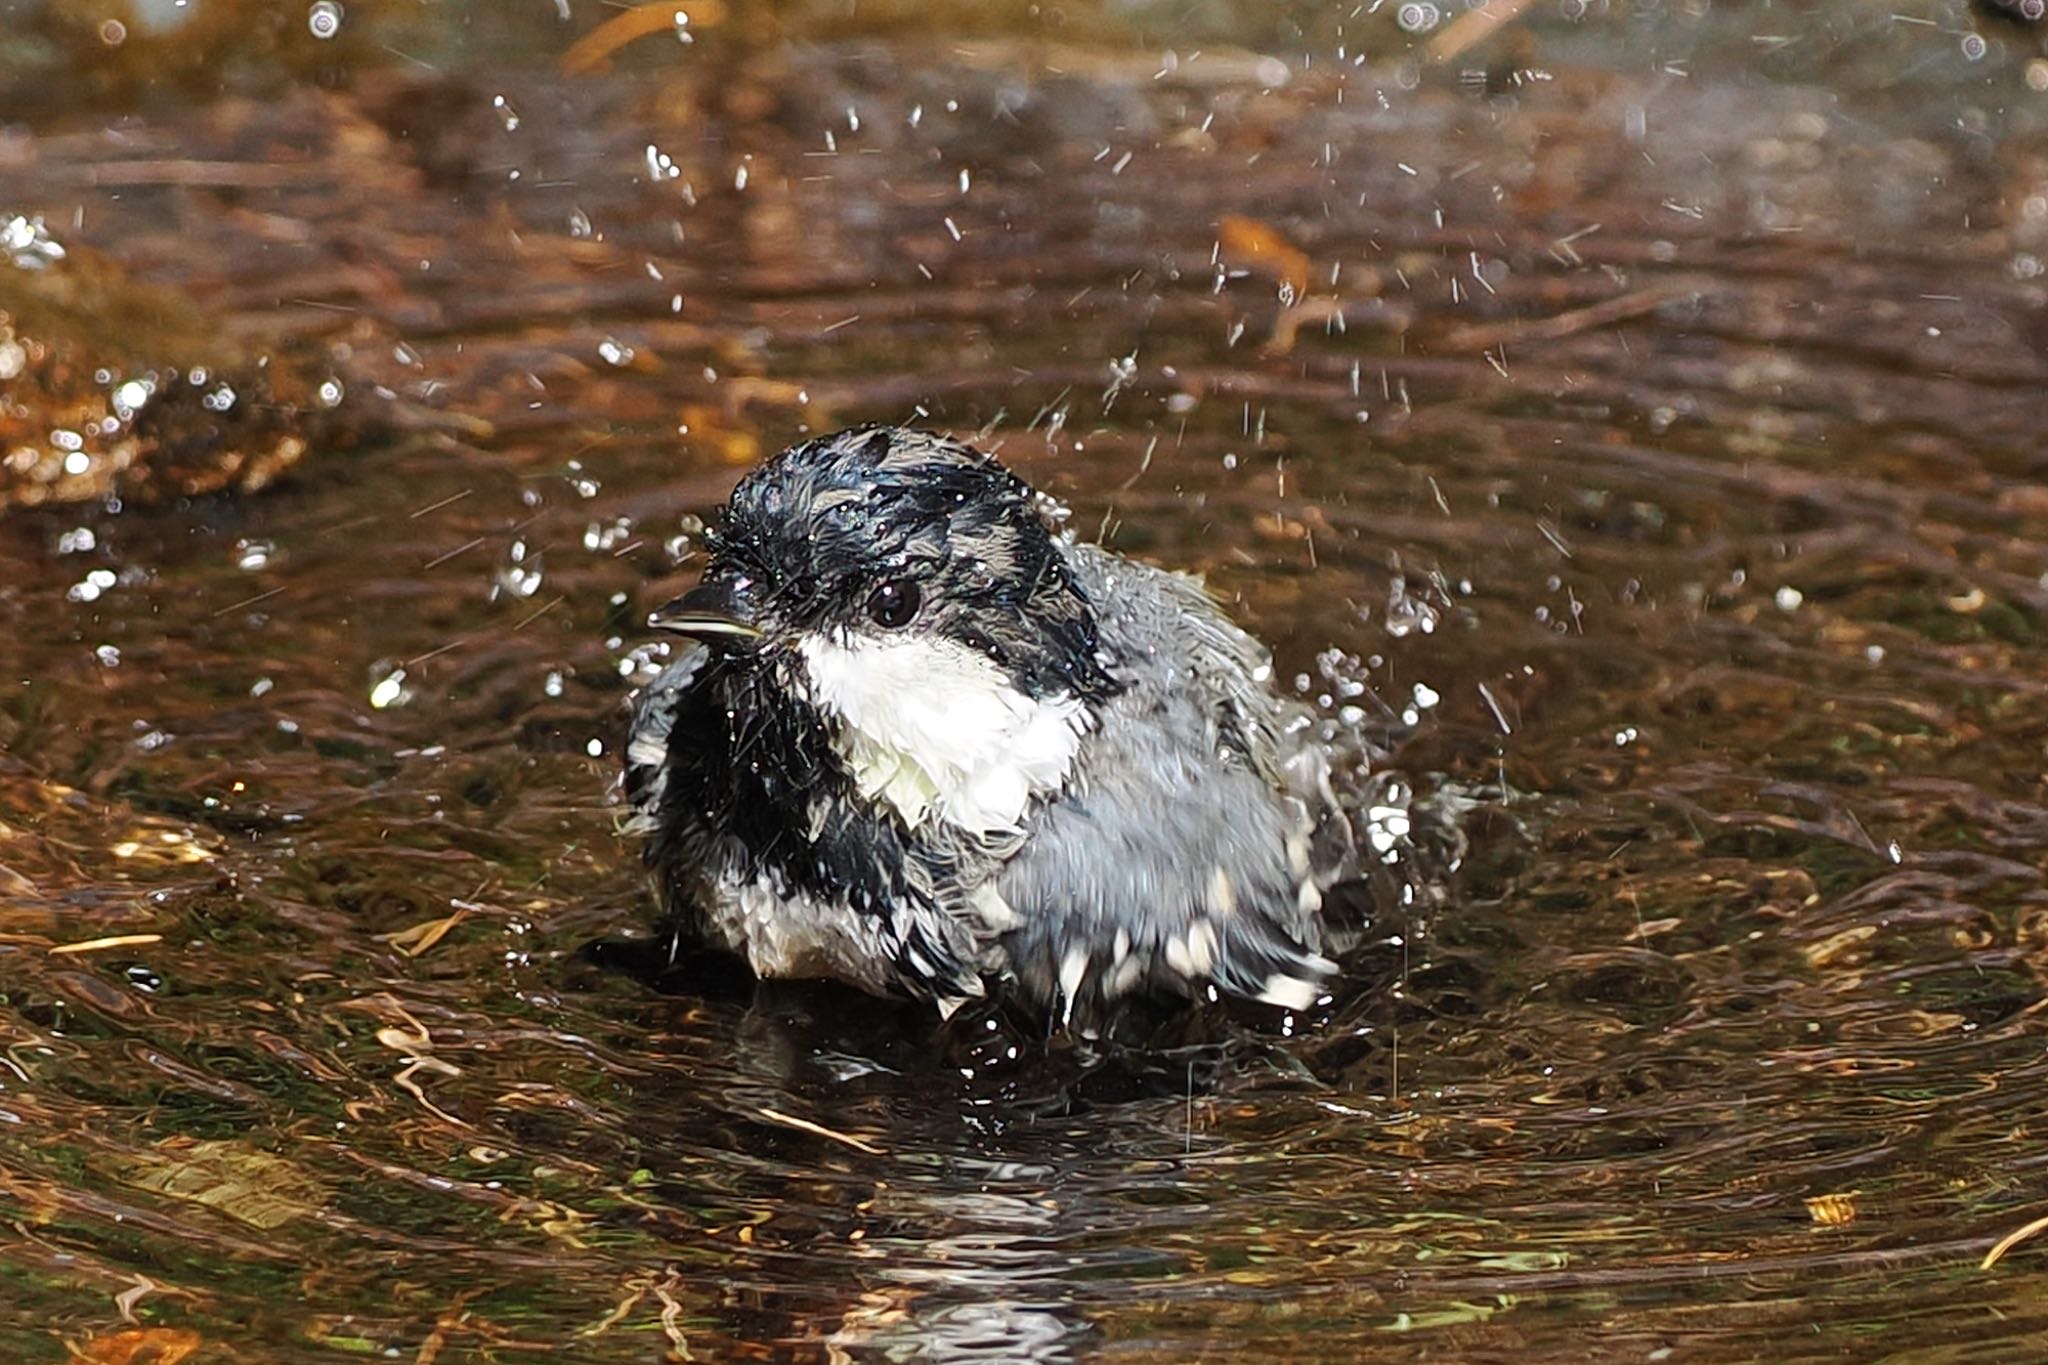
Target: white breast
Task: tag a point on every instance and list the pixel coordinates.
(936, 729)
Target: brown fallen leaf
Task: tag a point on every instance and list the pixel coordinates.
(138, 1346)
(1264, 249)
(424, 935)
(709, 426)
(1474, 26)
(594, 49)
(244, 1182)
(1835, 947)
(1832, 1210)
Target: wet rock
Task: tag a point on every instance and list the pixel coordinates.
(114, 388)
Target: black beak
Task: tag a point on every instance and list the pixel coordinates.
(713, 610)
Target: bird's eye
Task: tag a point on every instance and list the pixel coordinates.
(893, 604)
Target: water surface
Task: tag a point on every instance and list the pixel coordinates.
(1629, 429)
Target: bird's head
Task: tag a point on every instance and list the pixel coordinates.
(911, 592)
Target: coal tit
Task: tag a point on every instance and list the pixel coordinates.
(923, 741)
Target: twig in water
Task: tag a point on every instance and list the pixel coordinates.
(2011, 1240)
(819, 1130)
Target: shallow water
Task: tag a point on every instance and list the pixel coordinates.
(1631, 429)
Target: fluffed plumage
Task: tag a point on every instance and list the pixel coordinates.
(923, 742)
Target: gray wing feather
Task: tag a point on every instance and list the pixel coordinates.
(1179, 857)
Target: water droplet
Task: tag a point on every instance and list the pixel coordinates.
(1418, 17)
(390, 691)
(600, 536)
(28, 244)
(507, 115)
(1408, 615)
(1385, 828)
(323, 19)
(129, 397)
(518, 577)
(660, 165)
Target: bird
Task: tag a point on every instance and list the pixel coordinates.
(922, 740)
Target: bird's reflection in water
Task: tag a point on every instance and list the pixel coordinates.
(991, 1288)
(957, 1177)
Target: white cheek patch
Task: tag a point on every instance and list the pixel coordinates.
(933, 727)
